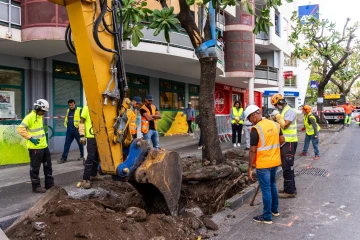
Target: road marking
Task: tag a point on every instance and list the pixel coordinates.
(290, 223)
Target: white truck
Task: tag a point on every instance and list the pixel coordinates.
(333, 113)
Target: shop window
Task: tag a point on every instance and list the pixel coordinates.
(194, 91)
(12, 93)
(67, 85)
(138, 86)
(172, 95)
(290, 82)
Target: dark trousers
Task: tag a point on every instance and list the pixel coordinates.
(189, 124)
(70, 136)
(236, 129)
(92, 160)
(38, 156)
(288, 151)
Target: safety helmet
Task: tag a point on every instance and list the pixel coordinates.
(41, 104)
(306, 108)
(277, 98)
(250, 109)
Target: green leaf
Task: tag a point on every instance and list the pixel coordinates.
(144, 4)
(167, 35)
(190, 2)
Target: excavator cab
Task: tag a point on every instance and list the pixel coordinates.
(94, 35)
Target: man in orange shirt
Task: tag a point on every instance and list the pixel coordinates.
(348, 110)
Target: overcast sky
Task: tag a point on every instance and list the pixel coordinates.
(336, 11)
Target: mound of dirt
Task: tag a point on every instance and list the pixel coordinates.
(115, 210)
(113, 215)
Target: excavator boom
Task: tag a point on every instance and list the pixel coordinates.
(96, 28)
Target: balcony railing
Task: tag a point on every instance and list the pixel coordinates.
(51, 15)
(262, 36)
(266, 72)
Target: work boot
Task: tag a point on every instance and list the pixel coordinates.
(286, 195)
(303, 154)
(86, 184)
(94, 178)
(39, 190)
(61, 161)
(316, 157)
(261, 219)
(282, 191)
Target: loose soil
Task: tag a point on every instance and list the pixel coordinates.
(116, 211)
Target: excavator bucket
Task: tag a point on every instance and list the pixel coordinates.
(158, 180)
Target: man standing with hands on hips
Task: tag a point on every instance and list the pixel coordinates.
(265, 140)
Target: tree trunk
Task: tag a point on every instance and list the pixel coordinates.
(212, 149)
(320, 105)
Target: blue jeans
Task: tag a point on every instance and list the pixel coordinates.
(315, 142)
(152, 136)
(70, 136)
(267, 181)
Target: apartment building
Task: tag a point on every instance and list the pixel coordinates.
(275, 53)
(35, 63)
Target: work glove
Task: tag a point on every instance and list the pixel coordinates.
(82, 129)
(303, 129)
(82, 140)
(34, 141)
(280, 120)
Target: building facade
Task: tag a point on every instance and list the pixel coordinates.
(35, 63)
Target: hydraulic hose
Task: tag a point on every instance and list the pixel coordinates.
(68, 41)
(96, 27)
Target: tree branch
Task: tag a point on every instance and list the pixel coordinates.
(163, 3)
(188, 23)
(347, 90)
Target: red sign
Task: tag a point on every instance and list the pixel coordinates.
(219, 101)
(240, 90)
(288, 74)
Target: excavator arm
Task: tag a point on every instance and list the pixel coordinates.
(96, 30)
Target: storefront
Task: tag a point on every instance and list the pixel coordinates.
(291, 97)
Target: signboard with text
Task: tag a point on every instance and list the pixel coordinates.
(307, 11)
(7, 104)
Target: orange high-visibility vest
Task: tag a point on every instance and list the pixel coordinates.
(268, 149)
(145, 122)
(132, 123)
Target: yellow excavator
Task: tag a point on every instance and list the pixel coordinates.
(94, 35)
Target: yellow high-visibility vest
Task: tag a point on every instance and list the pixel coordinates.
(237, 114)
(308, 126)
(76, 117)
(35, 126)
(290, 133)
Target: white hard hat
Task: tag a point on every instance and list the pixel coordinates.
(250, 109)
(41, 104)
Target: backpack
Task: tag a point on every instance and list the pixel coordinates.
(317, 118)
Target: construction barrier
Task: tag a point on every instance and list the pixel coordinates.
(223, 124)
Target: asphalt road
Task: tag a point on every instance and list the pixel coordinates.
(326, 207)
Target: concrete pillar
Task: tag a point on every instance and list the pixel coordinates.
(281, 73)
(251, 91)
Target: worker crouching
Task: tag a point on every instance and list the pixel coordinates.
(265, 140)
(87, 135)
(32, 129)
(312, 132)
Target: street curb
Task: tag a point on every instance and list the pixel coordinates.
(5, 222)
(337, 130)
(246, 194)
(3, 236)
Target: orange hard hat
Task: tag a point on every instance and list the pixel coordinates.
(277, 98)
(306, 108)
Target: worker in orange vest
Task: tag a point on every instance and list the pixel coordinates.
(348, 108)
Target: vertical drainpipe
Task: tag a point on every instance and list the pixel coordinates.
(9, 32)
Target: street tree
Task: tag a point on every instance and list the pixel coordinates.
(348, 74)
(134, 13)
(323, 47)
